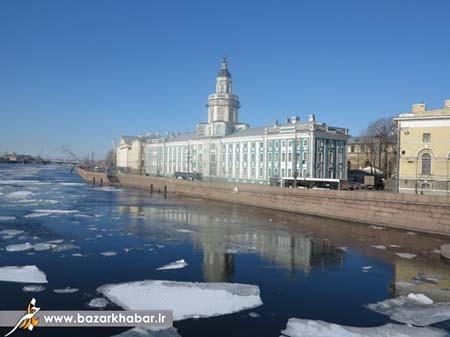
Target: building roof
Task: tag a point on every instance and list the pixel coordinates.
(256, 131)
(128, 139)
(183, 137)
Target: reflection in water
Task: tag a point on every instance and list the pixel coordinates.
(220, 237)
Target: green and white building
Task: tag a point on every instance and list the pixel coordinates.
(224, 149)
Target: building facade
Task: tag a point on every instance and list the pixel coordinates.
(365, 151)
(225, 149)
(424, 150)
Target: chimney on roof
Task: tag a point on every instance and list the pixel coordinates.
(419, 107)
(312, 118)
(288, 121)
(276, 123)
(295, 119)
(447, 103)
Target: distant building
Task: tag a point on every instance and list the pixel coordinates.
(364, 152)
(130, 153)
(225, 149)
(424, 144)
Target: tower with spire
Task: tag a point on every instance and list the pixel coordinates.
(222, 107)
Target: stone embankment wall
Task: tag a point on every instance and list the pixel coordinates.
(99, 178)
(423, 213)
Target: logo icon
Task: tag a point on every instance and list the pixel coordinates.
(27, 321)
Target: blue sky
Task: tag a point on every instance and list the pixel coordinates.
(77, 73)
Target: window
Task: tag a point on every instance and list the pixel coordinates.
(283, 157)
(352, 149)
(426, 137)
(289, 156)
(426, 164)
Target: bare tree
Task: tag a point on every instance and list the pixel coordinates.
(110, 159)
(381, 134)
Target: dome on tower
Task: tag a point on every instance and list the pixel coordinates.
(223, 72)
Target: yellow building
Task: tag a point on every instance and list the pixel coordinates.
(424, 150)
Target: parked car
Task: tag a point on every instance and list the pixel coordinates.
(188, 175)
(354, 186)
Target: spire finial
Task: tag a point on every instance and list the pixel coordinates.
(224, 64)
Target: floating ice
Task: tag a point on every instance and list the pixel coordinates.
(174, 265)
(56, 211)
(33, 288)
(72, 184)
(7, 218)
(410, 311)
(19, 194)
(98, 302)
(367, 267)
(25, 274)
(420, 298)
(147, 332)
(78, 255)
(42, 246)
(344, 249)
(410, 233)
(378, 246)
(109, 253)
(406, 255)
(36, 215)
(376, 227)
(56, 241)
(64, 247)
(297, 327)
(395, 246)
(182, 230)
(12, 232)
(67, 290)
(254, 315)
(186, 299)
(20, 247)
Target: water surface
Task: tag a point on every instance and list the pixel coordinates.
(306, 267)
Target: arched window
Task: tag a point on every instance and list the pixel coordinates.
(426, 164)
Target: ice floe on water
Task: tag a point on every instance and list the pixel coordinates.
(147, 332)
(378, 246)
(98, 302)
(57, 211)
(376, 227)
(174, 265)
(67, 290)
(72, 184)
(36, 215)
(25, 274)
(11, 232)
(19, 194)
(344, 249)
(109, 253)
(7, 218)
(186, 299)
(33, 288)
(420, 298)
(416, 309)
(406, 255)
(42, 246)
(297, 327)
(183, 230)
(19, 247)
